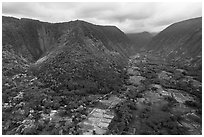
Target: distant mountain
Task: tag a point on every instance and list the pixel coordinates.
(140, 40)
(180, 41)
(74, 55)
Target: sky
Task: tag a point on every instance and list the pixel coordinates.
(130, 17)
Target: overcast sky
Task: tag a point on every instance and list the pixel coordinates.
(129, 17)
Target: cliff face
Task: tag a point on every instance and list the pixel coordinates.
(179, 40)
(29, 38)
(74, 55)
(36, 38)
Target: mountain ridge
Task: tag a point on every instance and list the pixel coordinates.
(39, 37)
(69, 55)
(179, 41)
(188, 26)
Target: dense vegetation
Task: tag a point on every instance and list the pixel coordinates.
(152, 118)
(81, 70)
(29, 100)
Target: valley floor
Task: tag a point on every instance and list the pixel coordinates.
(147, 106)
(157, 98)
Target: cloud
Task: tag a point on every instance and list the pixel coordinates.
(117, 11)
(129, 17)
(169, 13)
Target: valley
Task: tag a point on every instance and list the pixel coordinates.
(77, 78)
(152, 101)
(147, 106)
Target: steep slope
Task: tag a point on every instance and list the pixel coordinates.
(80, 64)
(32, 38)
(112, 37)
(180, 40)
(75, 56)
(140, 40)
(29, 38)
(57, 68)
